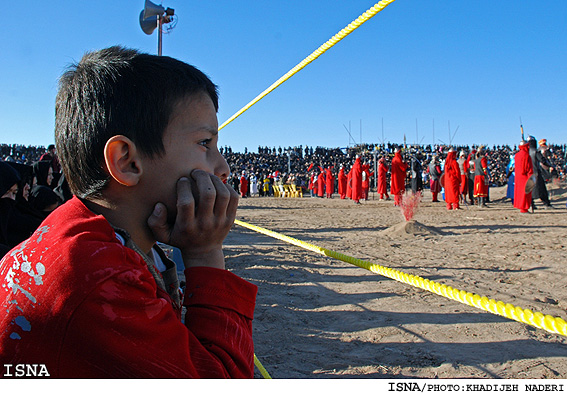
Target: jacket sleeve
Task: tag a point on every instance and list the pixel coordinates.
(124, 328)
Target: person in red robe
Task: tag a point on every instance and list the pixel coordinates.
(356, 187)
(342, 182)
(523, 171)
(382, 178)
(321, 183)
(349, 184)
(329, 182)
(398, 179)
(452, 181)
(243, 185)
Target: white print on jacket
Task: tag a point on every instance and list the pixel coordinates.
(15, 280)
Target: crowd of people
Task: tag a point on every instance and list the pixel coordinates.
(32, 184)
(31, 187)
(322, 172)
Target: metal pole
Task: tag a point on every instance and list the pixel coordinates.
(160, 22)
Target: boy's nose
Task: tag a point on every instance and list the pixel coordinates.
(221, 168)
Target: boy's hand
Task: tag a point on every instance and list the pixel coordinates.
(206, 209)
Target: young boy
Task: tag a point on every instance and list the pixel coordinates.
(90, 294)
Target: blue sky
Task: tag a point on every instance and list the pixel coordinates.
(437, 71)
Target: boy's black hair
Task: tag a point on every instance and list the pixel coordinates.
(118, 91)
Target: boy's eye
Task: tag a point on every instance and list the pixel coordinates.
(205, 143)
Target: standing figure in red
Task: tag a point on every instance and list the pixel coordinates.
(349, 184)
(321, 183)
(398, 180)
(356, 180)
(481, 177)
(382, 180)
(243, 185)
(452, 181)
(342, 182)
(329, 182)
(523, 171)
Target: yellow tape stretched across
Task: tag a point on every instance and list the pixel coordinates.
(322, 49)
(318, 52)
(546, 322)
(263, 371)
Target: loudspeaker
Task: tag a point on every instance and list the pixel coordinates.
(151, 9)
(149, 24)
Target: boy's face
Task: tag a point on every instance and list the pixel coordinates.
(190, 142)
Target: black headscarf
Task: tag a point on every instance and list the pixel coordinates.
(8, 177)
(40, 171)
(26, 174)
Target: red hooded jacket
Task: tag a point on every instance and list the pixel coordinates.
(75, 299)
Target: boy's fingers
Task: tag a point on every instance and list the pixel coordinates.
(205, 189)
(232, 204)
(222, 197)
(185, 199)
(158, 223)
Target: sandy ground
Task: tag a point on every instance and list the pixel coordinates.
(317, 317)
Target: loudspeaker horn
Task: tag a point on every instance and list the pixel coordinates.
(149, 24)
(151, 9)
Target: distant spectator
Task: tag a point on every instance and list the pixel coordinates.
(43, 172)
(51, 156)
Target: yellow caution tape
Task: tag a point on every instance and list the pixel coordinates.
(263, 371)
(546, 322)
(318, 52)
(322, 49)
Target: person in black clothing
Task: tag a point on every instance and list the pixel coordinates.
(17, 220)
(9, 179)
(416, 173)
(545, 165)
(43, 172)
(26, 180)
(540, 190)
(32, 216)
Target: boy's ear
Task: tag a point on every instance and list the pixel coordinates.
(122, 160)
